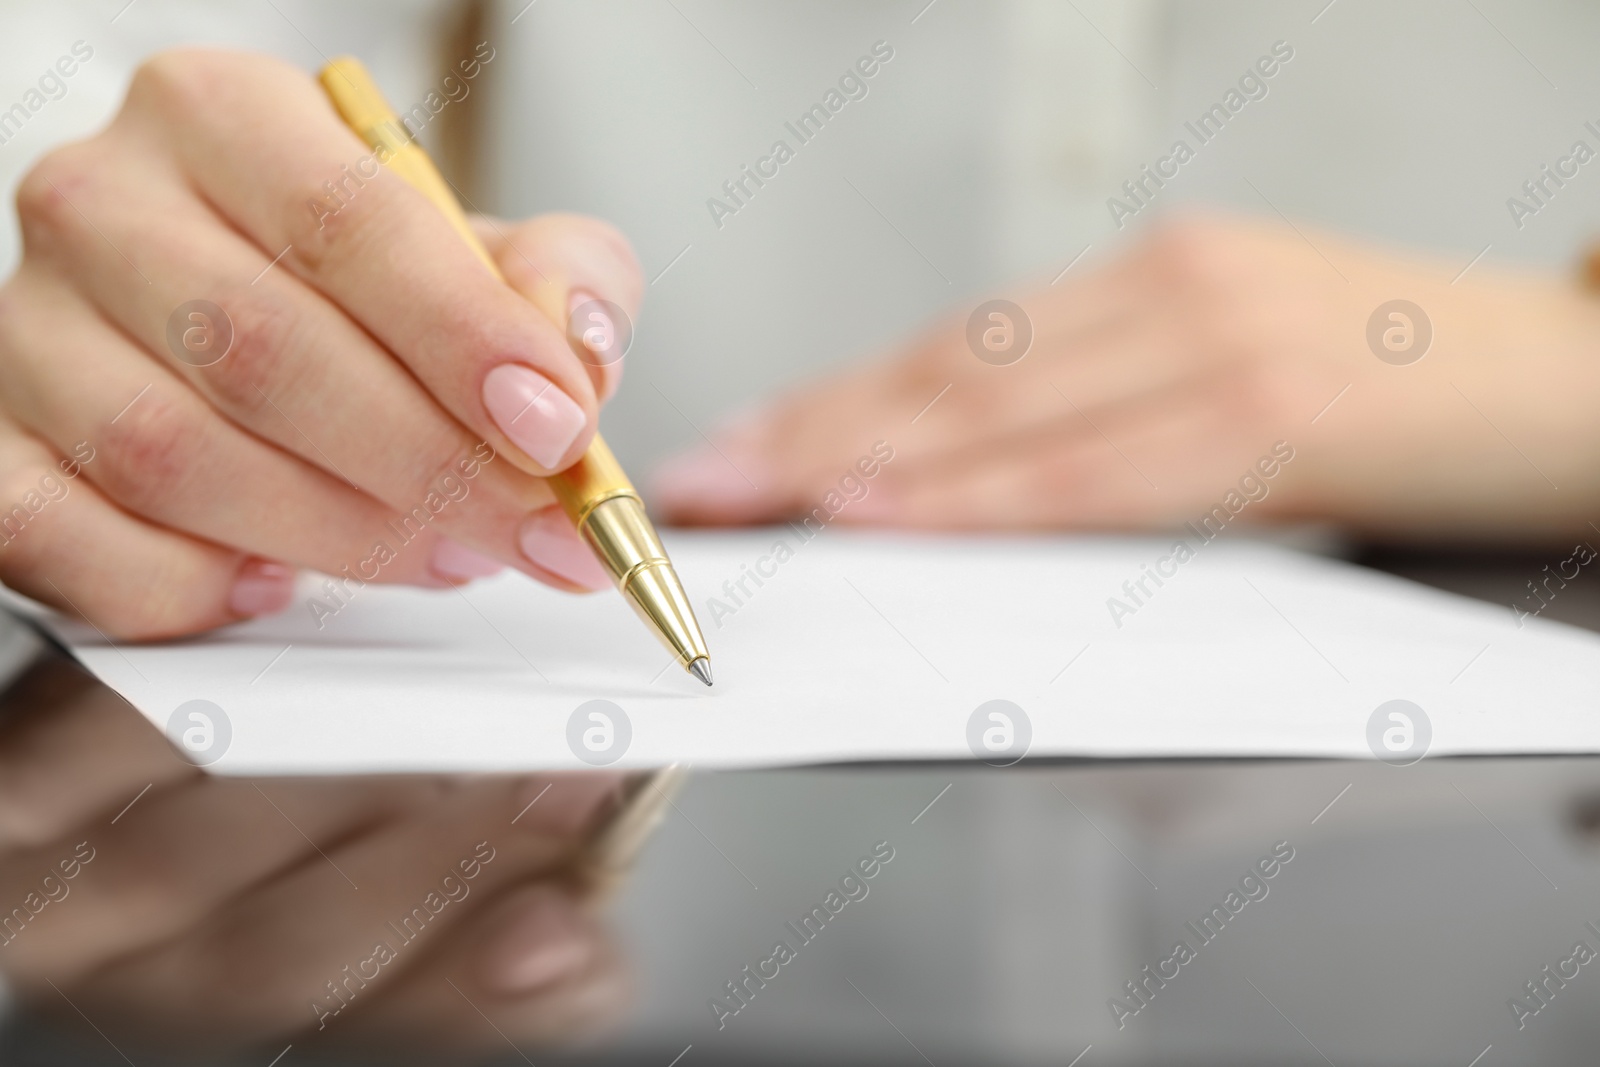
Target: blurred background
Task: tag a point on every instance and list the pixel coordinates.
(979, 163)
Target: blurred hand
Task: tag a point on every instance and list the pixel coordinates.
(215, 912)
(163, 471)
(1156, 382)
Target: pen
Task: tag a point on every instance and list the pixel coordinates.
(594, 492)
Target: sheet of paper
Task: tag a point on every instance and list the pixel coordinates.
(851, 647)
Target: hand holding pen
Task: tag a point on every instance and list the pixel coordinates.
(206, 385)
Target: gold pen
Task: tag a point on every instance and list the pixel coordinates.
(594, 492)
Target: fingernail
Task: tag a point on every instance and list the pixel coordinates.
(547, 538)
(543, 943)
(595, 331)
(563, 803)
(541, 419)
(262, 587)
(454, 561)
(702, 480)
(605, 357)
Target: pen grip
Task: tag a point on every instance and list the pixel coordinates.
(356, 97)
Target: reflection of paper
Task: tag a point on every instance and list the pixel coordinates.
(868, 647)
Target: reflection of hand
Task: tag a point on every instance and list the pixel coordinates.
(217, 910)
(1181, 364)
(163, 480)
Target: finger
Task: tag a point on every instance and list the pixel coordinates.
(764, 463)
(937, 398)
(86, 557)
(1100, 337)
(771, 460)
(533, 966)
(1157, 460)
(196, 841)
(593, 262)
(163, 454)
(259, 140)
(418, 879)
(72, 750)
(296, 372)
(177, 854)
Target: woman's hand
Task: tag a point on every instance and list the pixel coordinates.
(173, 908)
(1156, 383)
(356, 392)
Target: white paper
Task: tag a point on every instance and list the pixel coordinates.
(878, 647)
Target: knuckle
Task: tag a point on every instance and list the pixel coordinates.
(178, 81)
(45, 195)
(337, 221)
(152, 454)
(262, 329)
(185, 83)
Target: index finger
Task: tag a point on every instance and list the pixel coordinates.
(262, 143)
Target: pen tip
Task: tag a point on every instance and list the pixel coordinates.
(701, 669)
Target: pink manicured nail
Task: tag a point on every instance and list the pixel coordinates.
(262, 587)
(548, 539)
(456, 562)
(599, 344)
(703, 481)
(609, 363)
(543, 943)
(541, 419)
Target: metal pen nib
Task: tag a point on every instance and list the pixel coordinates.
(594, 491)
(622, 537)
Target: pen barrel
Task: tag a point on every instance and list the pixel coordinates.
(594, 492)
(594, 479)
(621, 535)
(362, 107)
(359, 102)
